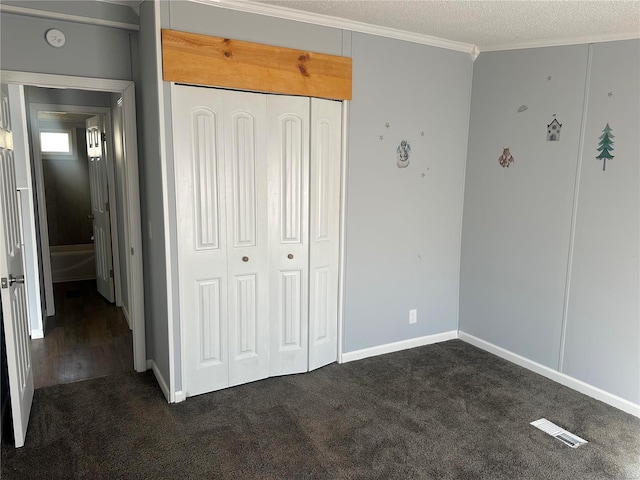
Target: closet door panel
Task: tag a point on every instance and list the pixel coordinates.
(202, 246)
(324, 244)
(247, 235)
(288, 138)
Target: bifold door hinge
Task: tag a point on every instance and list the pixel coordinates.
(107, 208)
(111, 273)
(4, 283)
(104, 137)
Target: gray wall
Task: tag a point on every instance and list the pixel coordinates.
(403, 229)
(221, 22)
(90, 51)
(96, 9)
(152, 202)
(602, 345)
(403, 233)
(517, 224)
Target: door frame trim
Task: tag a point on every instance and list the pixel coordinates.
(125, 88)
(344, 149)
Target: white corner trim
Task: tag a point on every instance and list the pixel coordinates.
(335, 22)
(33, 12)
(561, 378)
(181, 396)
(398, 346)
(163, 385)
(37, 333)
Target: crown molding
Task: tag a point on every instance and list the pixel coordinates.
(33, 12)
(558, 42)
(335, 22)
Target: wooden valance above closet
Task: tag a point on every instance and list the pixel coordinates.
(220, 62)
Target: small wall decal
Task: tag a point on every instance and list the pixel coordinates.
(610, 94)
(522, 108)
(605, 147)
(402, 154)
(553, 130)
(506, 158)
(381, 137)
(549, 78)
(387, 125)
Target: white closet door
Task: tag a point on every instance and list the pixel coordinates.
(202, 242)
(326, 132)
(288, 137)
(245, 140)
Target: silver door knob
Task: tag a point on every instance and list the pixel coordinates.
(16, 279)
(245, 259)
(290, 256)
(90, 217)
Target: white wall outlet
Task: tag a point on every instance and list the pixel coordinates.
(413, 315)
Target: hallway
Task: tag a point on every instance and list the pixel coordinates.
(86, 338)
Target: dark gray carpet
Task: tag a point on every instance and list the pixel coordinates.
(445, 411)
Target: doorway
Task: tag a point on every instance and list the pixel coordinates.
(22, 210)
(121, 119)
(79, 204)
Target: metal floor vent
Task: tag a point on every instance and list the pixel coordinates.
(561, 434)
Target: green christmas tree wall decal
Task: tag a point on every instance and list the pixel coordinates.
(605, 146)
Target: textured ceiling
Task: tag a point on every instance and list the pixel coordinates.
(488, 24)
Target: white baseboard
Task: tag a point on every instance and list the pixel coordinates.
(151, 365)
(397, 346)
(556, 376)
(37, 333)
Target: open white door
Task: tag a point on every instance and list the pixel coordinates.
(12, 291)
(96, 139)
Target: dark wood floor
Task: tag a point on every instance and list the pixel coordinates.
(87, 337)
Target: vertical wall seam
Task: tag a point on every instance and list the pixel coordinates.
(574, 209)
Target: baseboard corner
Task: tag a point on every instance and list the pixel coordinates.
(160, 379)
(559, 377)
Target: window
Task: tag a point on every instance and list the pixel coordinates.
(55, 142)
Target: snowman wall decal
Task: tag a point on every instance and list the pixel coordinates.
(402, 154)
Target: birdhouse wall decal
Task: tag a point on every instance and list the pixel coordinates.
(553, 131)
